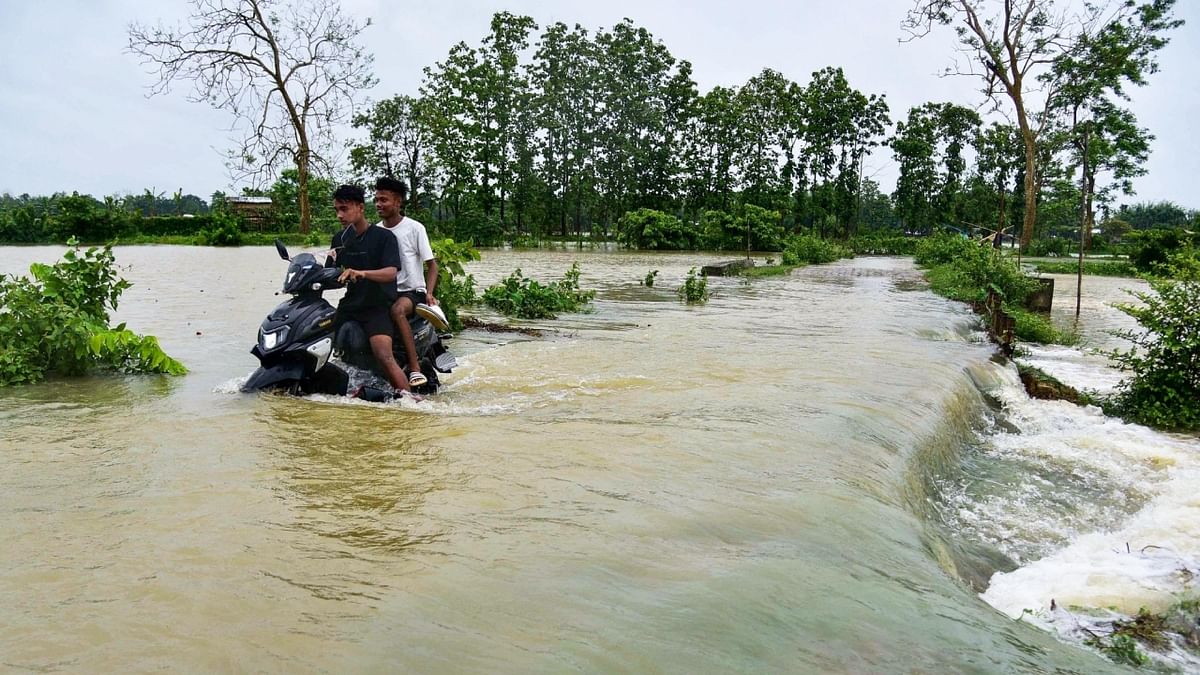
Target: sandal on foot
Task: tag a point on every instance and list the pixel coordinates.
(434, 315)
(417, 378)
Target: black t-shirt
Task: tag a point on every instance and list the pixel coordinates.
(374, 249)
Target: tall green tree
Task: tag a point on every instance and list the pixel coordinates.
(399, 142)
(929, 148)
(840, 127)
(767, 133)
(1011, 46)
(564, 76)
(1101, 135)
(638, 139)
(711, 144)
(999, 158)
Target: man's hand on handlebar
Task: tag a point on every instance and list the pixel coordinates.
(350, 275)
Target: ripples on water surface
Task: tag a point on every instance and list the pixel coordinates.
(801, 475)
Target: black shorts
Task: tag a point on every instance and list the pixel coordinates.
(374, 320)
(417, 297)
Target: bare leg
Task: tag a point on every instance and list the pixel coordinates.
(381, 346)
(401, 310)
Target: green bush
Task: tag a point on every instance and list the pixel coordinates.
(225, 232)
(455, 288)
(1034, 327)
(1046, 247)
(964, 270)
(1164, 391)
(473, 225)
(804, 249)
(655, 230)
(694, 289)
(724, 231)
(57, 322)
(1182, 265)
(527, 299)
(882, 242)
(940, 249)
(648, 282)
(972, 270)
(1149, 249)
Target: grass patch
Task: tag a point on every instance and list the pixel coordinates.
(767, 271)
(1119, 268)
(1034, 327)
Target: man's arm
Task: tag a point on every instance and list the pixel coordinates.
(389, 263)
(431, 279)
(382, 275)
(431, 266)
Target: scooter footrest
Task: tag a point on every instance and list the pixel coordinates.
(445, 362)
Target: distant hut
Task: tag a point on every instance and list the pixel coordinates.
(254, 211)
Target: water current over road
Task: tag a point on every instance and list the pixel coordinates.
(812, 473)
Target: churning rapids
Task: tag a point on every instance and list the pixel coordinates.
(825, 472)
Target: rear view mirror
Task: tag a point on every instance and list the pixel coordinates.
(282, 250)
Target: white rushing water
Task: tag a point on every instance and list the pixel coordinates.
(1101, 517)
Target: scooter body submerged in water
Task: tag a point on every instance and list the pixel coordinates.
(297, 340)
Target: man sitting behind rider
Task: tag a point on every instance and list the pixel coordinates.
(369, 259)
(415, 281)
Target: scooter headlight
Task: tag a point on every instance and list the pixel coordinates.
(271, 340)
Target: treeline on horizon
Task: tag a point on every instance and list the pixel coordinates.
(518, 139)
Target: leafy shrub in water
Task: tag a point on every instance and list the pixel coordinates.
(804, 249)
(648, 282)
(527, 299)
(1121, 649)
(455, 288)
(655, 230)
(694, 289)
(57, 322)
(1164, 391)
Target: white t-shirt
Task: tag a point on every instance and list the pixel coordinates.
(414, 253)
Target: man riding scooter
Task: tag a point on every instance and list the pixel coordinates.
(418, 274)
(370, 259)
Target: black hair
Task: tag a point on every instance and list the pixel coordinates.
(349, 193)
(392, 185)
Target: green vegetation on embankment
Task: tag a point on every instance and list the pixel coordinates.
(961, 269)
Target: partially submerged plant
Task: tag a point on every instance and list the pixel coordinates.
(694, 289)
(526, 298)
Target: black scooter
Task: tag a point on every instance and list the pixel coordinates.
(296, 341)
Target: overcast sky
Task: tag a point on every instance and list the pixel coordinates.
(74, 115)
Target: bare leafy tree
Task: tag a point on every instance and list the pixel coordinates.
(1012, 45)
(288, 72)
